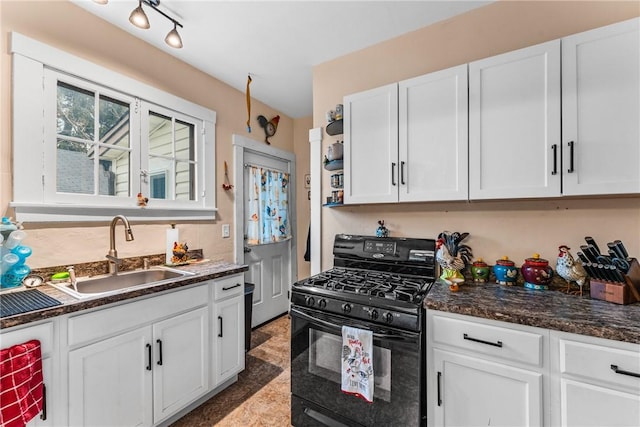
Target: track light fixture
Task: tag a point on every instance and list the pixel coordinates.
(140, 20)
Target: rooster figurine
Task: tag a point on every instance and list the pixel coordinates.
(570, 269)
(452, 256)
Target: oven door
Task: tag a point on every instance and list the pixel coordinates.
(316, 361)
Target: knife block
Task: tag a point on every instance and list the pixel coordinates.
(619, 293)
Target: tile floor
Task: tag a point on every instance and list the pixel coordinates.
(261, 395)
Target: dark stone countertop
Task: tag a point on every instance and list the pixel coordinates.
(550, 309)
(204, 271)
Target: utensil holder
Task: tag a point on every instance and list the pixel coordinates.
(619, 293)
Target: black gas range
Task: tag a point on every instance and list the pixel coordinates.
(376, 284)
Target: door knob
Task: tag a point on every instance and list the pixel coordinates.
(247, 250)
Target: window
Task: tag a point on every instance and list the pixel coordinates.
(102, 140)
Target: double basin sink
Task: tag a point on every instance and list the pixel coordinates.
(98, 286)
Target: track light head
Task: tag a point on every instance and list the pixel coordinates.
(173, 39)
(139, 18)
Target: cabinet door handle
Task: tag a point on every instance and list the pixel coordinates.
(43, 414)
(623, 372)
(159, 351)
(554, 147)
(570, 144)
(220, 325)
(402, 173)
(230, 287)
(393, 173)
(148, 356)
(439, 392)
(495, 344)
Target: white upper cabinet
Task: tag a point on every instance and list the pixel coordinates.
(433, 136)
(514, 124)
(408, 141)
(601, 110)
(371, 146)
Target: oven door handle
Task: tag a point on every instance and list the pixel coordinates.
(330, 325)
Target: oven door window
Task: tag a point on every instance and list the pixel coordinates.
(316, 360)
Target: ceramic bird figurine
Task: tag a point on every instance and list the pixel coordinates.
(269, 126)
(570, 269)
(142, 201)
(452, 256)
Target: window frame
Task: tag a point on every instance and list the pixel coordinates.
(34, 162)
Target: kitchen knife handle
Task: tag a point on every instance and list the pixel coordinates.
(402, 173)
(570, 170)
(591, 241)
(582, 257)
(615, 369)
(439, 392)
(393, 173)
(554, 147)
(621, 248)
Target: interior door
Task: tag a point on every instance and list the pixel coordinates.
(269, 264)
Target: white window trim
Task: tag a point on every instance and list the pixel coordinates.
(30, 57)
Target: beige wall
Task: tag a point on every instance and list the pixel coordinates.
(513, 228)
(63, 25)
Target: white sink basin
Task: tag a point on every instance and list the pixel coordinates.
(95, 286)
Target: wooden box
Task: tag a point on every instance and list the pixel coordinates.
(619, 293)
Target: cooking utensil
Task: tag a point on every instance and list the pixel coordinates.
(582, 257)
(592, 242)
(621, 249)
(590, 252)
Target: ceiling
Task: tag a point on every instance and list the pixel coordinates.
(277, 42)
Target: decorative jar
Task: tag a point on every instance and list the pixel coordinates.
(536, 272)
(505, 271)
(480, 271)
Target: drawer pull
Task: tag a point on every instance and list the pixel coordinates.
(220, 325)
(615, 369)
(230, 287)
(43, 414)
(439, 395)
(495, 344)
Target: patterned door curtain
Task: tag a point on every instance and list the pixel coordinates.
(268, 206)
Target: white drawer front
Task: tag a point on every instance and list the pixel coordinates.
(501, 342)
(228, 286)
(595, 362)
(18, 335)
(111, 320)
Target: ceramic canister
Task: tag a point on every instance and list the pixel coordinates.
(480, 271)
(536, 272)
(505, 271)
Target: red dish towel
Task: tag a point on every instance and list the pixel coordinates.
(21, 396)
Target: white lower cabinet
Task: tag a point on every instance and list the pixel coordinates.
(140, 363)
(597, 381)
(485, 373)
(229, 327)
(44, 332)
(110, 382)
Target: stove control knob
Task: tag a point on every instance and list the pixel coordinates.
(322, 303)
(373, 314)
(309, 301)
(388, 317)
(346, 308)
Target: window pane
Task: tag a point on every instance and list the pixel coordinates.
(160, 135)
(160, 167)
(158, 185)
(114, 121)
(185, 182)
(74, 167)
(184, 141)
(75, 112)
(113, 173)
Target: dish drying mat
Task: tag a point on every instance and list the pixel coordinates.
(24, 301)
